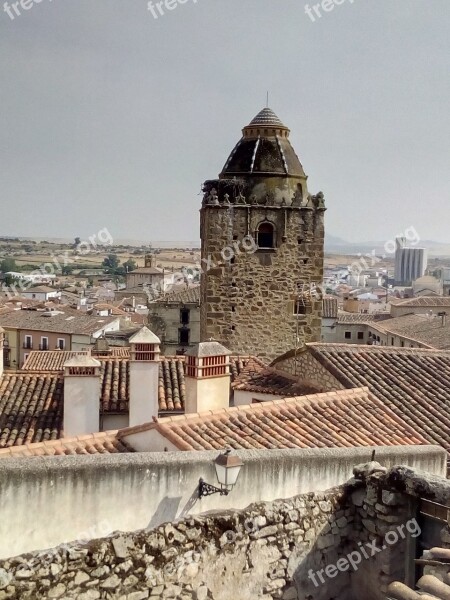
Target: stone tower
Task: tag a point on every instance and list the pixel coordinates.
(262, 239)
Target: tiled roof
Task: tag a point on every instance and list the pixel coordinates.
(52, 360)
(346, 418)
(114, 310)
(330, 308)
(256, 376)
(431, 331)
(31, 408)
(434, 586)
(181, 295)
(40, 289)
(32, 401)
(66, 321)
(95, 443)
(443, 301)
(345, 317)
(413, 382)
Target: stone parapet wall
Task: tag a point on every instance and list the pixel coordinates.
(92, 496)
(348, 543)
(264, 553)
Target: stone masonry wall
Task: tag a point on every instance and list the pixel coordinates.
(304, 365)
(248, 304)
(336, 545)
(264, 553)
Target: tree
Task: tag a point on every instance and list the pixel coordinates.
(67, 269)
(129, 265)
(111, 263)
(8, 264)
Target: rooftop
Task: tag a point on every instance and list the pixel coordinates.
(431, 301)
(346, 317)
(266, 117)
(63, 320)
(413, 382)
(181, 295)
(431, 331)
(256, 376)
(345, 418)
(264, 149)
(95, 443)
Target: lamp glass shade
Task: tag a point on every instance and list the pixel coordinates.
(228, 468)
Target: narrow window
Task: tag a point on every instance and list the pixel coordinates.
(348, 335)
(266, 235)
(184, 316)
(183, 337)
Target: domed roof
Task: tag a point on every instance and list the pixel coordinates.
(263, 150)
(267, 117)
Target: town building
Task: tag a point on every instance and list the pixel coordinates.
(410, 263)
(150, 276)
(262, 237)
(422, 305)
(43, 293)
(50, 328)
(329, 319)
(427, 285)
(175, 318)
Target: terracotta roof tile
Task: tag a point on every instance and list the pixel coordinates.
(99, 443)
(330, 308)
(413, 382)
(344, 419)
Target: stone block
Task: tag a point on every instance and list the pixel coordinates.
(370, 525)
(392, 498)
(325, 541)
(290, 594)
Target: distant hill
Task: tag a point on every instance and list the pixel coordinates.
(337, 245)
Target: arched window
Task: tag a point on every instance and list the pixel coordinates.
(266, 235)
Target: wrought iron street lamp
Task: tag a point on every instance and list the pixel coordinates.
(228, 467)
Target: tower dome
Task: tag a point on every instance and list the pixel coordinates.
(264, 149)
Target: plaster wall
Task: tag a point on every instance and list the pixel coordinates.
(211, 393)
(144, 381)
(75, 496)
(81, 405)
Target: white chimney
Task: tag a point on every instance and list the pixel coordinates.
(81, 396)
(207, 377)
(144, 376)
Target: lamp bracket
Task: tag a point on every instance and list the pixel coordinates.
(206, 489)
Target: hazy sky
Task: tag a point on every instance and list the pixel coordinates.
(112, 118)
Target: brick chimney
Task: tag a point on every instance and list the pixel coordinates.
(207, 377)
(81, 396)
(144, 376)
